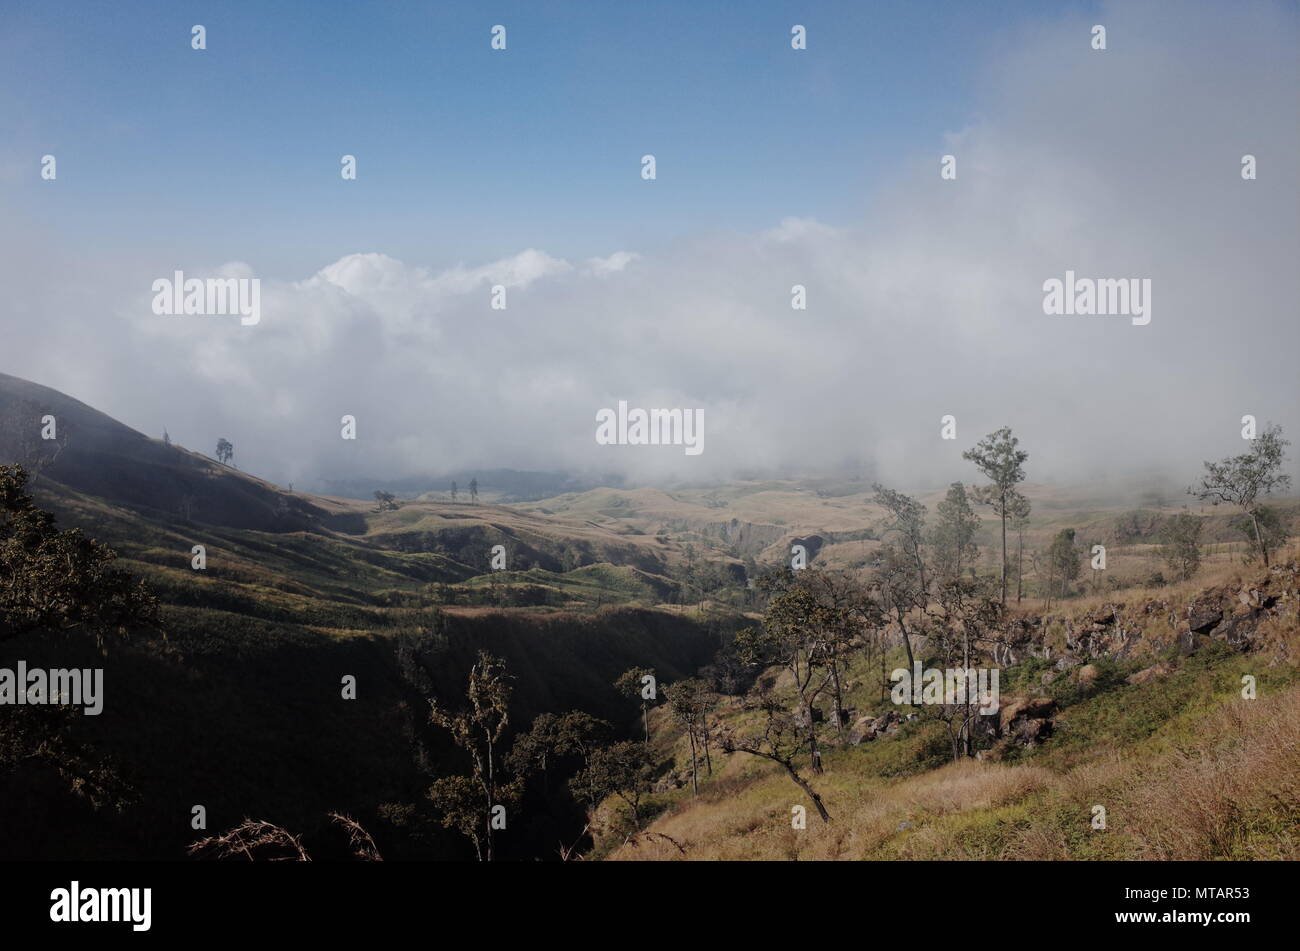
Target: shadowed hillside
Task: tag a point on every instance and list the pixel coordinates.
(99, 456)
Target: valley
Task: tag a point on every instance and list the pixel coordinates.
(232, 699)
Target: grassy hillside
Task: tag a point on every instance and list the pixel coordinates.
(1162, 739)
(234, 702)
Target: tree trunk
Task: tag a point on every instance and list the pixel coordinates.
(965, 723)
(839, 698)
(1004, 551)
(812, 739)
(645, 719)
(817, 800)
(884, 679)
(1020, 566)
(695, 772)
(1259, 539)
(907, 643)
(491, 794)
(704, 738)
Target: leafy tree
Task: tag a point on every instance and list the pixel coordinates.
(473, 489)
(780, 742)
(689, 702)
(953, 536)
(1266, 525)
(907, 520)
(633, 685)
(1241, 480)
(1063, 559)
(772, 581)
(850, 615)
(1020, 509)
(895, 578)
(966, 616)
(1181, 548)
(556, 736)
(60, 580)
(225, 451)
(623, 769)
(997, 457)
(386, 501)
(467, 803)
(900, 569)
(791, 636)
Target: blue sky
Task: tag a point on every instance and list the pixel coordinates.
(466, 154)
(775, 168)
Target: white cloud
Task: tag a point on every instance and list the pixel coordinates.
(1121, 164)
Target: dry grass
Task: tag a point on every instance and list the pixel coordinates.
(1235, 798)
(1229, 787)
(754, 821)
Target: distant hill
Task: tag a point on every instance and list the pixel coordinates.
(497, 485)
(100, 458)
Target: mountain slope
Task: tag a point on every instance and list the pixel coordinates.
(99, 456)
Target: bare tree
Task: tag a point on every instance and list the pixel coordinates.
(254, 840)
(363, 846)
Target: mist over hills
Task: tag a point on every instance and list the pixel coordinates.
(598, 581)
(429, 477)
(501, 485)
